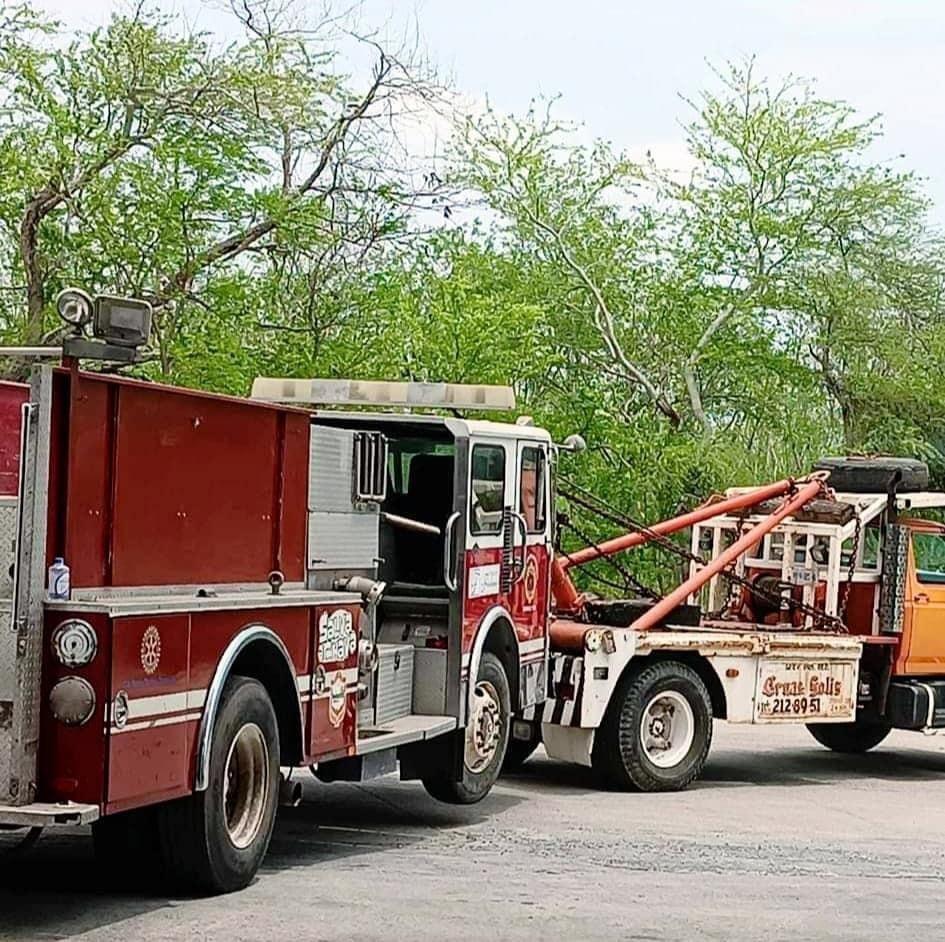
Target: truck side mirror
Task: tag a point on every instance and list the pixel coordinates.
(574, 443)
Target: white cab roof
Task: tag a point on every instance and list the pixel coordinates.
(459, 427)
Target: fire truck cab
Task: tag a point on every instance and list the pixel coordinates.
(257, 584)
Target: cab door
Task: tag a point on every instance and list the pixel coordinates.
(489, 530)
(531, 552)
(532, 542)
(923, 642)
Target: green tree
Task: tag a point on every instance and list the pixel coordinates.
(789, 235)
(142, 160)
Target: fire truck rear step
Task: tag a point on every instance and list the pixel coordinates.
(46, 814)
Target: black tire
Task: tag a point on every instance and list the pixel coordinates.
(518, 751)
(199, 853)
(474, 786)
(873, 475)
(849, 738)
(619, 756)
(118, 839)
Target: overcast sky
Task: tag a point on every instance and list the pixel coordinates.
(620, 66)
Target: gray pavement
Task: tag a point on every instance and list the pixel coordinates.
(781, 840)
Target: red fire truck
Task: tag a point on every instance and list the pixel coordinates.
(256, 586)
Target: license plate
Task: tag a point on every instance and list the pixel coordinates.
(799, 691)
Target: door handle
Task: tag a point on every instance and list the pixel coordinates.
(448, 577)
(921, 599)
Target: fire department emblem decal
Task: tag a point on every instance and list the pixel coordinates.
(531, 580)
(336, 699)
(150, 649)
(337, 640)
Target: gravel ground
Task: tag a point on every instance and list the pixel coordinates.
(780, 840)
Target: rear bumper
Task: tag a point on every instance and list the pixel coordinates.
(45, 814)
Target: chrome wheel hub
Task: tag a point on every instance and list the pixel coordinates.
(484, 729)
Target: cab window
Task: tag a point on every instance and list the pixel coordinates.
(929, 550)
(531, 498)
(487, 489)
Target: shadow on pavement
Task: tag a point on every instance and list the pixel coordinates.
(553, 775)
(816, 766)
(780, 766)
(56, 891)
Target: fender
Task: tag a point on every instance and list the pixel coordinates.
(246, 636)
(494, 614)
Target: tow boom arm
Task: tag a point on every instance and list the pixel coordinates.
(569, 601)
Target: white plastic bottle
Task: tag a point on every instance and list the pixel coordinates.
(59, 579)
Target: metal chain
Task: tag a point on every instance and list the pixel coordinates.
(851, 570)
(595, 505)
(629, 579)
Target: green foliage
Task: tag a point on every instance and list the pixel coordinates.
(781, 301)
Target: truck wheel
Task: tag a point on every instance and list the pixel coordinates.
(657, 730)
(485, 742)
(872, 475)
(214, 841)
(849, 737)
(518, 751)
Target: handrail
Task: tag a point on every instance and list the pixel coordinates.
(26, 412)
(448, 540)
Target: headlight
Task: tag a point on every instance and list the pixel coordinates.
(72, 701)
(592, 640)
(74, 643)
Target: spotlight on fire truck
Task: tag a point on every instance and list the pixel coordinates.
(74, 307)
(125, 322)
(119, 325)
(356, 392)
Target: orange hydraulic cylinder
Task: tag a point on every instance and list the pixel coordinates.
(566, 597)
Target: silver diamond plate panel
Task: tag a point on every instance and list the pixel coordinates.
(8, 506)
(22, 740)
(892, 602)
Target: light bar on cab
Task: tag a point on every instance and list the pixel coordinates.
(356, 392)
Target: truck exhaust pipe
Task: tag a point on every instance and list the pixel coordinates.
(290, 792)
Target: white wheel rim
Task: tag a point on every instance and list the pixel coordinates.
(484, 729)
(667, 729)
(246, 785)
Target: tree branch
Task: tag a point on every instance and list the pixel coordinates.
(238, 242)
(604, 321)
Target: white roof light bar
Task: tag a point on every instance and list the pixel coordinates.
(380, 393)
